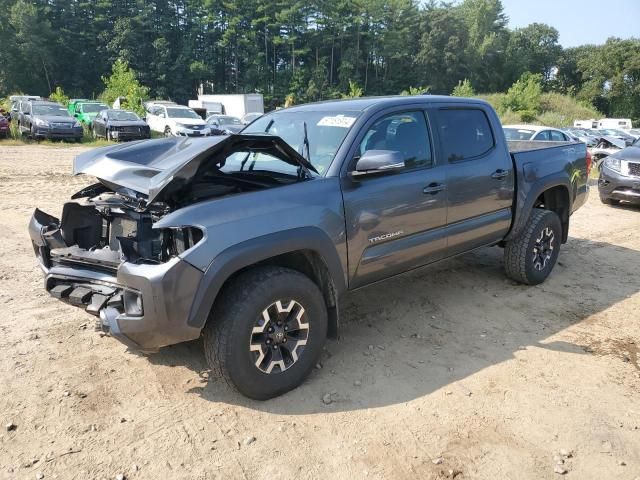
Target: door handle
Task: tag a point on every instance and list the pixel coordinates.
(433, 188)
(499, 174)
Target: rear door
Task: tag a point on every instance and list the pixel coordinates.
(480, 177)
(543, 136)
(395, 221)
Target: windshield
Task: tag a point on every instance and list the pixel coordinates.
(250, 117)
(325, 131)
(226, 120)
(613, 131)
(93, 107)
(122, 115)
(182, 113)
(52, 110)
(518, 133)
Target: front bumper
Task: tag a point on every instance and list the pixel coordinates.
(187, 132)
(58, 133)
(615, 186)
(165, 292)
(125, 136)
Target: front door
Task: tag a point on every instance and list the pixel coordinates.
(395, 221)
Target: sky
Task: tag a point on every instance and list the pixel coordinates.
(578, 21)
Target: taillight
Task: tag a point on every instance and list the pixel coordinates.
(589, 162)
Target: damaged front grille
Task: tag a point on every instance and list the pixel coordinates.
(92, 297)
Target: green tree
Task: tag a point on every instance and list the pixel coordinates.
(59, 96)
(123, 83)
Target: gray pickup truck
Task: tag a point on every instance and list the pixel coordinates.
(249, 240)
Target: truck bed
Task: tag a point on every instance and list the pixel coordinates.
(528, 145)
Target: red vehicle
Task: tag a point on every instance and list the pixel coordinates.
(4, 127)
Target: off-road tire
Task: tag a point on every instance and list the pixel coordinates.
(609, 201)
(229, 330)
(519, 260)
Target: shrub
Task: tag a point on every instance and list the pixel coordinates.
(524, 96)
(463, 89)
(415, 91)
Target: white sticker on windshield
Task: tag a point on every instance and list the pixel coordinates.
(337, 121)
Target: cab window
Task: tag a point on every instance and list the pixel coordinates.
(464, 133)
(406, 133)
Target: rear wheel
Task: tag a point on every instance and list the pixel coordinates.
(530, 257)
(266, 331)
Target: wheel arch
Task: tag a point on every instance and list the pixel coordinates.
(551, 195)
(307, 250)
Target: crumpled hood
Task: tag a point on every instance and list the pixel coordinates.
(150, 166)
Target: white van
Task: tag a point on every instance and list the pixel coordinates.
(624, 123)
(591, 124)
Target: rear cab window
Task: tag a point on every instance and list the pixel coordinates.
(465, 133)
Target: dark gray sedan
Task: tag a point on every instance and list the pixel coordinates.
(226, 124)
(120, 125)
(42, 120)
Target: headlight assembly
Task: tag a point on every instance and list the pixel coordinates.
(614, 164)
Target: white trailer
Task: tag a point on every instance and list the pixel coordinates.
(212, 108)
(624, 123)
(589, 124)
(236, 105)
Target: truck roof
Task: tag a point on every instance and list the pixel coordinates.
(363, 103)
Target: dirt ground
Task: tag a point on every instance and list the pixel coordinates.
(449, 372)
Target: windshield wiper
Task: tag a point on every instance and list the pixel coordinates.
(306, 153)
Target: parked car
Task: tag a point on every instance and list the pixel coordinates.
(15, 104)
(620, 176)
(617, 133)
(535, 132)
(41, 120)
(250, 243)
(582, 135)
(250, 117)
(85, 110)
(5, 130)
(634, 132)
(120, 125)
(172, 119)
(226, 123)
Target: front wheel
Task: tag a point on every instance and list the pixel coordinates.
(266, 331)
(168, 132)
(531, 256)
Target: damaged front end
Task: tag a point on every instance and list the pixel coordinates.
(104, 256)
(116, 251)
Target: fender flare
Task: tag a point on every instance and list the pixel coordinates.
(255, 250)
(527, 199)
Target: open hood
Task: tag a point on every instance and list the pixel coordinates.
(150, 167)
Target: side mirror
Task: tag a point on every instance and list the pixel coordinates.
(377, 162)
